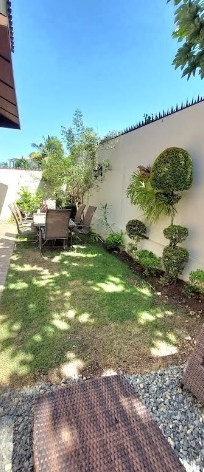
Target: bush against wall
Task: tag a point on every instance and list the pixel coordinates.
(176, 234)
(155, 191)
(174, 257)
(196, 278)
(136, 228)
(29, 202)
(172, 171)
(149, 261)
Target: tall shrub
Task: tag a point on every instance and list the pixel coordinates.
(174, 257)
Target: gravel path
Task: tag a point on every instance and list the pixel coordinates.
(180, 417)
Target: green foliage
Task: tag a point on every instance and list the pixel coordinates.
(114, 241)
(168, 199)
(172, 171)
(22, 164)
(189, 290)
(72, 175)
(28, 202)
(149, 261)
(196, 278)
(142, 194)
(174, 261)
(136, 228)
(189, 20)
(93, 237)
(48, 146)
(176, 234)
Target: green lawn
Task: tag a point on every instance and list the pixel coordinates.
(82, 311)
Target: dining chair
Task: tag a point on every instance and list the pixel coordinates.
(78, 217)
(84, 228)
(22, 220)
(56, 227)
(22, 229)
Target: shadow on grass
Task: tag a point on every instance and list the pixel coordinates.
(79, 310)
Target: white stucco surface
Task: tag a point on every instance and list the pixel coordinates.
(141, 147)
(11, 180)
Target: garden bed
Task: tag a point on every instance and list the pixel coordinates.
(173, 293)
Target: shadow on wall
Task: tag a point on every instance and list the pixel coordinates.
(3, 192)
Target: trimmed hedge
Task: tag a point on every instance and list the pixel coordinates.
(176, 234)
(135, 228)
(174, 261)
(172, 170)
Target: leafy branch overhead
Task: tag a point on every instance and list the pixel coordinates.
(189, 21)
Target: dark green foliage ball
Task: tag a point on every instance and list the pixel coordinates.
(172, 170)
(174, 261)
(176, 234)
(168, 199)
(135, 228)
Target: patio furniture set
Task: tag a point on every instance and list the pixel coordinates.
(54, 225)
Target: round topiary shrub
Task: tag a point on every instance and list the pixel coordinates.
(168, 199)
(174, 261)
(172, 171)
(176, 234)
(135, 228)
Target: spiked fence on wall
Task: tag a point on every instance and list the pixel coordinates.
(152, 118)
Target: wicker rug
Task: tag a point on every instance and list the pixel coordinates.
(98, 426)
(193, 378)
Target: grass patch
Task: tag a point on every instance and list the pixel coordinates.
(82, 311)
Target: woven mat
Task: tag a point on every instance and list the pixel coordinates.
(193, 378)
(98, 426)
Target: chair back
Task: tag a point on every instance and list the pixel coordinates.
(89, 215)
(79, 212)
(57, 224)
(13, 211)
(18, 212)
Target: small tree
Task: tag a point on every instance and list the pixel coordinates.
(22, 164)
(69, 172)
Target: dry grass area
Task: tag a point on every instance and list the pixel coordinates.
(84, 311)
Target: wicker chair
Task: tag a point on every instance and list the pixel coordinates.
(85, 227)
(56, 227)
(79, 213)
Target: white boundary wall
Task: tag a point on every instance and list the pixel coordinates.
(141, 147)
(11, 180)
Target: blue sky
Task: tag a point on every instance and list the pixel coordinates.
(110, 58)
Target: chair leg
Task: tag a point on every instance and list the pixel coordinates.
(40, 240)
(71, 237)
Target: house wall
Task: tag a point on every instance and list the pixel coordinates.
(11, 180)
(141, 147)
